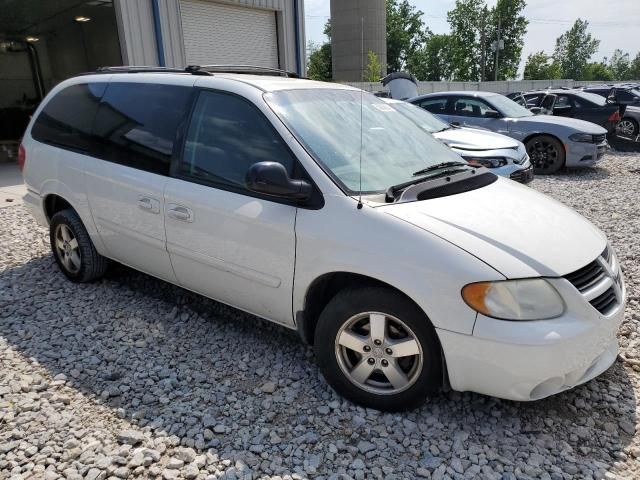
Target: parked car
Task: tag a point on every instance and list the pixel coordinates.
(576, 104)
(628, 95)
(503, 155)
(552, 142)
(319, 207)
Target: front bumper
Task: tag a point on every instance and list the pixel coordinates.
(582, 154)
(531, 360)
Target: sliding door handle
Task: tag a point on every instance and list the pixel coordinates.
(179, 212)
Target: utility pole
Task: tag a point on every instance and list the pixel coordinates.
(483, 53)
(497, 50)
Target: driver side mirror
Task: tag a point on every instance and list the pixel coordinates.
(535, 110)
(492, 114)
(271, 178)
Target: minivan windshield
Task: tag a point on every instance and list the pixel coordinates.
(508, 107)
(327, 123)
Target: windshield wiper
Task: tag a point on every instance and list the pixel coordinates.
(439, 166)
(441, 170)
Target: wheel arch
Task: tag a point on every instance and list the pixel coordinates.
(324, 288)
(543, 134)
(54, 203)
(327, 285)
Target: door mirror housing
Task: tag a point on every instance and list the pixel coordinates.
(271, 178)
(492, 114)
(535, 110)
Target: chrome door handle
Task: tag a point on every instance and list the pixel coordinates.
(180, 213)
(150, 204)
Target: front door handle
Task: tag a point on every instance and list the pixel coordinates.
(149, 204)
(180, 213)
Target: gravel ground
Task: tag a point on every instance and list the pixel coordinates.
(133, 377)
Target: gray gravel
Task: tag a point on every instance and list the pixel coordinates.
(132, 377)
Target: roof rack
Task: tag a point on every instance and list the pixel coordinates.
(144, 69)
(252, 69)
(198, 70)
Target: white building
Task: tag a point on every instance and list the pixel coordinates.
(45, 42)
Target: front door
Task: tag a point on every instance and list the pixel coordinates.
(223, 240)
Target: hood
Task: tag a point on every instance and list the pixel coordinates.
(473, 139)
(579, 125)
(514, 229)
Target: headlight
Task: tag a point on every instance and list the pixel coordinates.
(528, 299)
(581, 137)
(490, 162)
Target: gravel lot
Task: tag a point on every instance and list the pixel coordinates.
(133, 377)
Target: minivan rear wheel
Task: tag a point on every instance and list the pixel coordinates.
(546, 153)
(378, 349)
(73, 249)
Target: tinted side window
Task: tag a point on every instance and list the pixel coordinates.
(434, 105)
(470, 107)
(66, 119)
(136, 124)
(226, 136)
(625, 96)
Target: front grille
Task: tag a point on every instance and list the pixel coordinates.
(587, 276)
(602, 273)
(599, 138)
(606, 301)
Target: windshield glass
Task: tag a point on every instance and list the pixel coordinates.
(508, 107)
(421, 117)
(592, 97)
(327, 123)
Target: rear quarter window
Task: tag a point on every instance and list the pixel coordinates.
(66, 119)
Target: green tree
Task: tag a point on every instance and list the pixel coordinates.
(465, 48)
(431, 62)
(319, 65)
(574, 49)
(513, 27)
(597, 71)
(540, 66)
(374, 68)
(634, 68)
(619, 65)
(406, 34)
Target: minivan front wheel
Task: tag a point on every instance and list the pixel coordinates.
(376, 348)
(73, 249)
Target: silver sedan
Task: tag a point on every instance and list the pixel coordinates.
(503, 155)
(552, 142)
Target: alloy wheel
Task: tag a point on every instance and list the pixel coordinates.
(67, 248)
(627, 127)
(543, 154)
(379, 353)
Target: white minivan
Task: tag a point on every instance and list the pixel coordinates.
(323, 209)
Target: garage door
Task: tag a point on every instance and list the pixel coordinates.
(223, 34)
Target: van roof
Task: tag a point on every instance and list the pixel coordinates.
(264, 80)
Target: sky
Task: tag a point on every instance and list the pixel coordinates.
(616, 23)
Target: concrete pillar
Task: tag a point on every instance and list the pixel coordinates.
(348, 57)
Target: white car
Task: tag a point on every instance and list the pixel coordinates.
(504, 155)
(404, 267)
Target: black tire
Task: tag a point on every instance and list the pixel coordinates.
(631, 131)
(351, 303)
(546, 153)
(91, 265)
